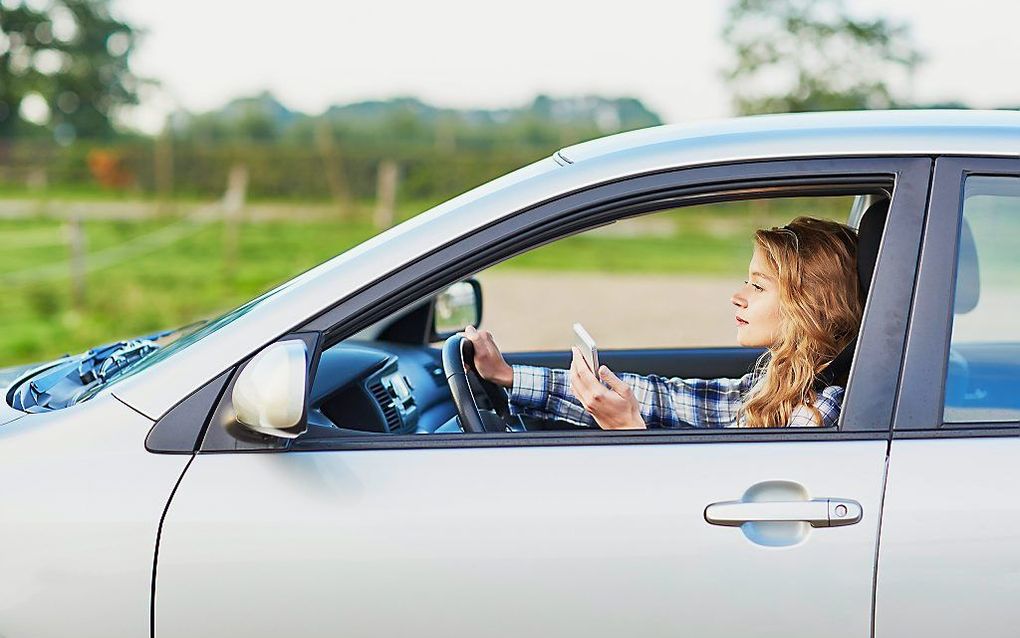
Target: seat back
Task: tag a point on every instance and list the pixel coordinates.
(869, 238)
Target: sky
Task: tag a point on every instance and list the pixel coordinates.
(460, 53)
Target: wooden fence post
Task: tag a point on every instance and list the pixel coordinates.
(77, 245)
(333, 167)
(164, 169)
(233, 205)
(386, 194)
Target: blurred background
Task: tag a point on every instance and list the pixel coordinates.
(163, 162)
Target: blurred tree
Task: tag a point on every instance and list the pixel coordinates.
(74, 55)
(811, 55)
(409, 125)
(20, 28)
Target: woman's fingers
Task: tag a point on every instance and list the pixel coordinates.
(476, 337)
(578, 383)
(489, 361)
(615, 383)
(582, 367)
(590, 391)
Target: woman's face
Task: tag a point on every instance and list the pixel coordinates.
(757, 305)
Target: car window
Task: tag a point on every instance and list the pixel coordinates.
(652, 290)
(984, 354)
(662, 280)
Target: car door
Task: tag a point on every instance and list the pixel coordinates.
(950, 543)
(708, 533)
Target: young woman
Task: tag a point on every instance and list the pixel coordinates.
(801, 302)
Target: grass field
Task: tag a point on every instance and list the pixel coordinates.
(146, 274)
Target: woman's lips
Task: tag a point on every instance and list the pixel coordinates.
(741, 322)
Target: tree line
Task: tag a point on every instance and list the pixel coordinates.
(65, 73)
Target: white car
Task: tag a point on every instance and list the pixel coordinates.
(305, 466)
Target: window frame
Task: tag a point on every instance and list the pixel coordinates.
(868, 402)
(920, 403)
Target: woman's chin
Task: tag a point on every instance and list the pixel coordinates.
(747, 341)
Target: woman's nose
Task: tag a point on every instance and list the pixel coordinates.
(738, 300)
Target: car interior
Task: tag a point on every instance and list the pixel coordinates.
(389, 378)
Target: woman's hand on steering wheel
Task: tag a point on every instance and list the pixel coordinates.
(482, 405)
(489, 361)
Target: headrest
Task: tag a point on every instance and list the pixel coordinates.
(968, 281)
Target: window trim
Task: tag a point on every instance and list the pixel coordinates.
(920, 399)
(868, 403)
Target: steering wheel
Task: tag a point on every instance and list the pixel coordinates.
(482, 406)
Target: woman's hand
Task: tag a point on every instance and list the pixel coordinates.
(615, 407)
(489, 362)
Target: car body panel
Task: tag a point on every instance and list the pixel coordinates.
(950, 550)
(7, 413)
(949, 559)
(591, 541)
(80, 509)
(881, 133)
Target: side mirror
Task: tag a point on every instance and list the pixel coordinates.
(269, 394)
(456, 308)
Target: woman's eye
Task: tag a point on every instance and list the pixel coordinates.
(755, 286)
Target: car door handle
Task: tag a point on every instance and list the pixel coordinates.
(820, 512)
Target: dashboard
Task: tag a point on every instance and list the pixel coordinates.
(376, 387)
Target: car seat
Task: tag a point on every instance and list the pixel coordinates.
(869, 238)
(965, 299)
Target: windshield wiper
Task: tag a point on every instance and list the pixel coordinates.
(108, 361)
(99, 364)
(68, 379)
(62, 384)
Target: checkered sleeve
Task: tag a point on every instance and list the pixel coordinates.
(678, 403)
(665, 403)
(545, 393)
(828, 403)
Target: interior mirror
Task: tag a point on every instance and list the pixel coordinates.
(269, 394)
(456, 308)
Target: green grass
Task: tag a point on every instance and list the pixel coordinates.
(94, 193)
(174, 284)
(169, 286)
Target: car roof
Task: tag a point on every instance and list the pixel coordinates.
(925, 132)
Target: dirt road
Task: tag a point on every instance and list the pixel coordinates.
(535, 310)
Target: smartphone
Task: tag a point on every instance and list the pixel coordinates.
(588, 349)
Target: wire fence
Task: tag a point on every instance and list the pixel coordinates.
(229, 209)
(98, 260)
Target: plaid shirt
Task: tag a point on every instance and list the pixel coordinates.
(665, 403)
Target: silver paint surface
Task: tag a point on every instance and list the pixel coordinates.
(949, 562)
(80, 505)
(592, 541)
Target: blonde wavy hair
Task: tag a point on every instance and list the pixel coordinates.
(820, 304)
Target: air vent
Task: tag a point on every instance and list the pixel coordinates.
(387, 406)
